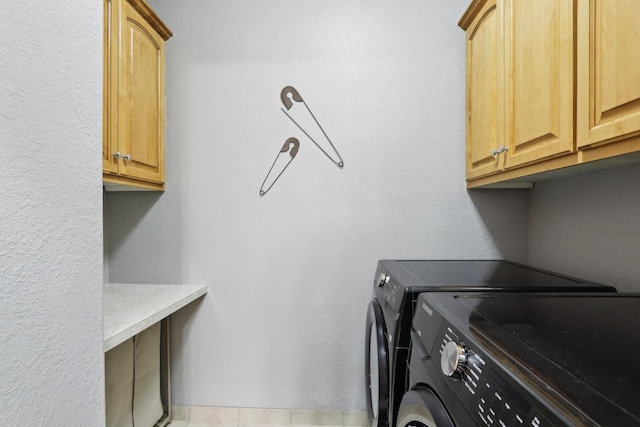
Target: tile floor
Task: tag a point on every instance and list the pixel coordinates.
(200, 416)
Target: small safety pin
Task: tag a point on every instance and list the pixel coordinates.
(288, 103)
(292, 143)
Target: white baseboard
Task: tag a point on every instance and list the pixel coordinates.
(252, 417)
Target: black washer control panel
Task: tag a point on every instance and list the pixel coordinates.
(391, 292)
(387, 290)
(491, 395)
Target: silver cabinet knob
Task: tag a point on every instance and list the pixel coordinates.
(453, 361)
(127, 157)
(117, 155)
(499, 151)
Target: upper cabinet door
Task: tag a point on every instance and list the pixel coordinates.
(608, 105)
(483, 106)
(141, 98)
(110, 89)
(539, 76)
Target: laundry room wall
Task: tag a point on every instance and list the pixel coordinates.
(290, 273)
(51, 335)
(589, 226)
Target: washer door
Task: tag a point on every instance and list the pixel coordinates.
(421, 407)
(376, 367)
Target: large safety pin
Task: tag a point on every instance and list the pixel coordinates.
(284, 96)
(292, 143)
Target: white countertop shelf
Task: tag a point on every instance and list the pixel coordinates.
(131, 308)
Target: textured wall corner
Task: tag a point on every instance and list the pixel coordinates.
(51, 361)
(589, 226)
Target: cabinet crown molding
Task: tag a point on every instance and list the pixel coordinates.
(470, 14)
(143, 9)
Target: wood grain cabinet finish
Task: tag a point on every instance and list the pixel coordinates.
(609, 71)
(538, 44)
(134, 100)
(484, 124)
(567, 88)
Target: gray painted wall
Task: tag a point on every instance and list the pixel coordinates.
(589, 226)
(51, 358)
(290, 273)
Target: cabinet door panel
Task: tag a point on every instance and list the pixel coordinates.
(483, 111)
(110, 90)
(539, 69)
(609, 73)
(141, 98)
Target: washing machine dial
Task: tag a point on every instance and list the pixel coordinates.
(383, 280)
(453, 361)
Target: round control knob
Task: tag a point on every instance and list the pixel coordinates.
(454, 360)
(383, 280)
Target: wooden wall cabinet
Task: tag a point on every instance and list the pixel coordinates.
(538, 45)
(609, 71)
(134, 99)
(567, 88)
(483, 79)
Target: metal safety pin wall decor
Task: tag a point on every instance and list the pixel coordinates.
(292, 145)
(284, 96)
